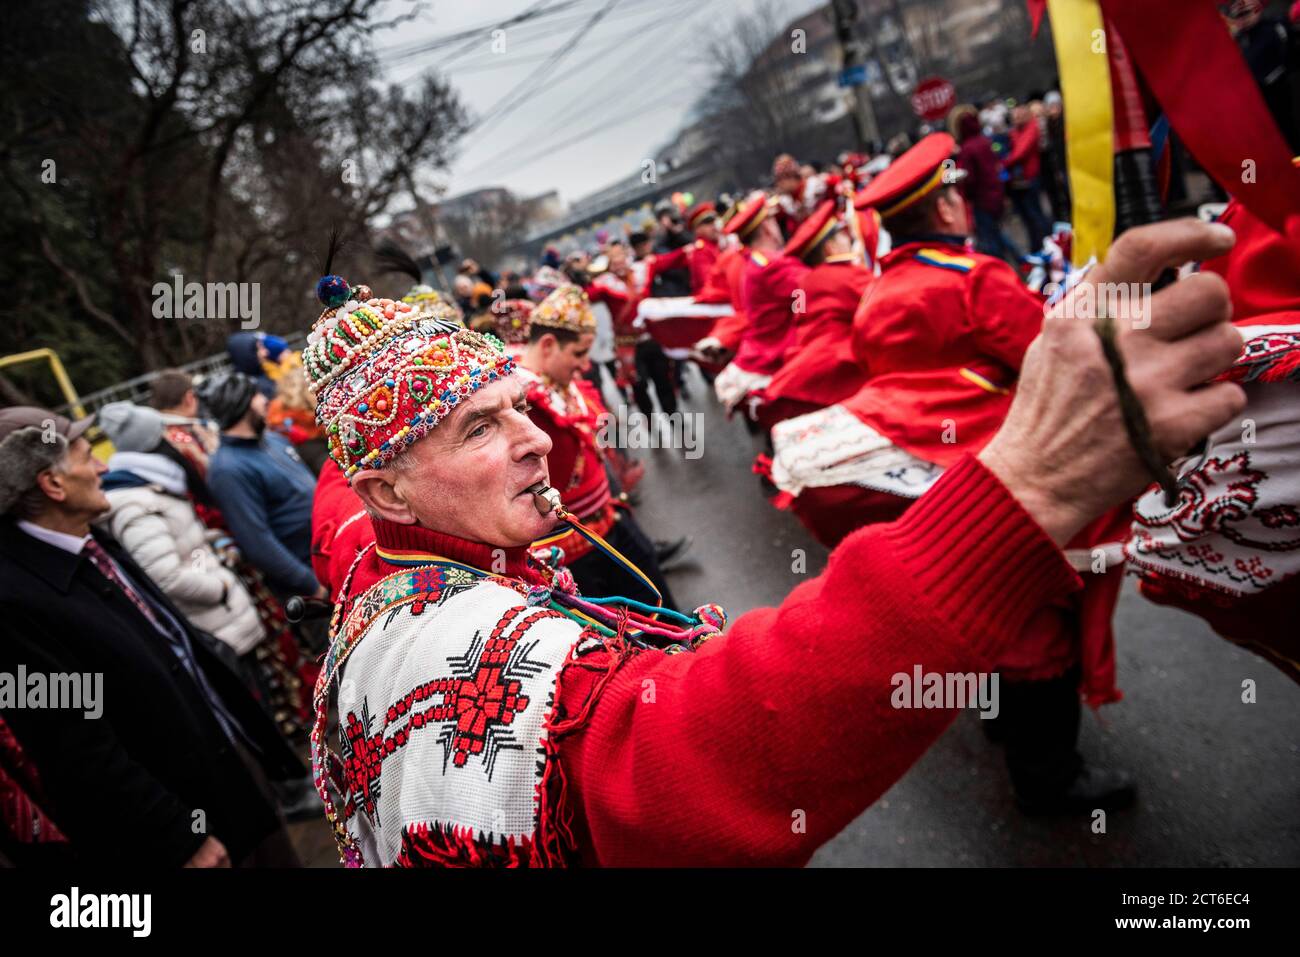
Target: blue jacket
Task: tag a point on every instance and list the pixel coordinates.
(265, 493)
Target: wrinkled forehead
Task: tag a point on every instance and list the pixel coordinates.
(503, 394)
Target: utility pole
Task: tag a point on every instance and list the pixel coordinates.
(853, 53)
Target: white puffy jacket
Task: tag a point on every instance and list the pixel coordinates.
(168, 541)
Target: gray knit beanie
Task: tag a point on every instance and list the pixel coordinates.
(131, 428)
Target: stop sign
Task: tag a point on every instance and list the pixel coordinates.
(933, 98)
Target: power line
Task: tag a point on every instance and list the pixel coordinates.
(573, 139)
(577, 107)
(509, 103)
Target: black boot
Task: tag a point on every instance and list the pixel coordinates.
(1039, 723)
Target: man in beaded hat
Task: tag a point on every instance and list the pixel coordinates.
(568, 408)
(490, 715)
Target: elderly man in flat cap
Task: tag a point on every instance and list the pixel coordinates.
(148, 748)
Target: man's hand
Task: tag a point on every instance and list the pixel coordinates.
(1063, 450)
(709, 349)
(211, 853)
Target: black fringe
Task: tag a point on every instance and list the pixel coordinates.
(393, 258)
(336, 243)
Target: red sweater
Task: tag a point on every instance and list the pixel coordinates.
(340, 527)
(768, 740)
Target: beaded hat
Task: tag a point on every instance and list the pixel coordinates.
(510, 318)
(385, 373)
(567, 308)
(433, 302)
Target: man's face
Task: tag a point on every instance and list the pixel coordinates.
(468, 476)
(463, 286)
(562, 361)
(950, 211)
(789, 184)
(708, 231)
(256, 414)
(78, 482)
(617, 258)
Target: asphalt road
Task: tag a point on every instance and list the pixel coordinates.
(1219, 780)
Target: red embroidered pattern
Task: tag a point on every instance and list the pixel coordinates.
(481, 697)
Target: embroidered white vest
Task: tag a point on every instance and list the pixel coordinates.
(442, 706)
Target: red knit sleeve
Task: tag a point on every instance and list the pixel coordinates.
(1004, 315)
(770, 739)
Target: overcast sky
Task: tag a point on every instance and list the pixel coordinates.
(622, 89)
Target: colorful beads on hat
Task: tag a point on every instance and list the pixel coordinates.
(566, 308)
(333, 290)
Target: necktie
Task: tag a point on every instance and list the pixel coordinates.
(100, 559)
(175, 634)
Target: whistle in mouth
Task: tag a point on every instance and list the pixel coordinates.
(545, 498)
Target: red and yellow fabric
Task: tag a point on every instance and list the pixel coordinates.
(1189, 60)
(942, 306)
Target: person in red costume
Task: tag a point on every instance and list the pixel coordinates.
(568, 408)
(819, 368)
(340, 528)
(940, 338)
(1023, 185)
(725, 284)
(769, 284)
(700, 256)
(496, 717)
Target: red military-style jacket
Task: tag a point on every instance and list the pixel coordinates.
(726, 283)
(701, 256)
(769, 293)
(940, 337)
(819, 367)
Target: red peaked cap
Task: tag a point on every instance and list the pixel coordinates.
(1262, 270)
(911, 177)
(752, 211)
(813, 231)
(699, 212)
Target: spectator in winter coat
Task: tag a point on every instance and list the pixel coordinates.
(154, 521)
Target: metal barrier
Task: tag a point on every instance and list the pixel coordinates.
(137, 390)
